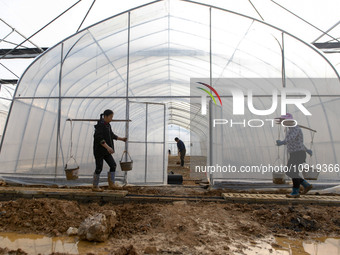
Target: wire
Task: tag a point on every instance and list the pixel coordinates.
(27, 39)
(325, 33)
(9, 70)
(86, 15)
(14, 30)
(5, 41)
(256, 10)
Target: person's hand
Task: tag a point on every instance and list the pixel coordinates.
(110, 150)
(310, 152)
(279, 142)
(124, 139)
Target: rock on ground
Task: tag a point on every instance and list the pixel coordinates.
(72, 231)
(97, 227)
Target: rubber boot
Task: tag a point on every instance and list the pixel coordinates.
(95, 186)
(294, 194)
(111, 180)
(306, 187)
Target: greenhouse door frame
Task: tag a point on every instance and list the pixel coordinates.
(146, 142)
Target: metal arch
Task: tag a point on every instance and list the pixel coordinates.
(189, 1)
(202, 4)
(209, 6)
(272, 26)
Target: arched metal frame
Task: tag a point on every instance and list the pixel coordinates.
(122, 71)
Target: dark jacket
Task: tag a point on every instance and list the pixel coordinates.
(180, 146)
(102, 133)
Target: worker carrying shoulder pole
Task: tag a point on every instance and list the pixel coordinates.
(181, 150)
(103, 148)
(297, 154)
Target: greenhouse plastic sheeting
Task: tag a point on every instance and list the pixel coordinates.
(245, 144)
(148, 55)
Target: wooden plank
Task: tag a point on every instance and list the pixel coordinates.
(277, 198)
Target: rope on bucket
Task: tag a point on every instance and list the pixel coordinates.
(71, 173)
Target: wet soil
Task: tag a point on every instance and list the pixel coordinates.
(185, 228)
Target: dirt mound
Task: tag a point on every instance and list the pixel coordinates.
(49, 216)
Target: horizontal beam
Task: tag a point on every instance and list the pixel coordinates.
(21, 53)
(327, 45)
(96, 120)
(6, 81)
(162, 97)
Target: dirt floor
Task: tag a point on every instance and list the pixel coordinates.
(176, 228)
(179, 227)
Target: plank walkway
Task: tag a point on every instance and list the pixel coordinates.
(7, 193)
(281, 199)
(122, 196)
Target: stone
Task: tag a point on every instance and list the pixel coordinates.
(306, 217)
(98, 227)
(72, 231)
(150, 250)
(180, 203)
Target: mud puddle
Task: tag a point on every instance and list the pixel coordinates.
(285, 246)
(40, 244)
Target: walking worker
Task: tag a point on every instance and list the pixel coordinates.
(181, 149)
(297, 154)
(103, 148)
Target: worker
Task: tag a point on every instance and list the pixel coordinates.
(297, 154)
(181, 150)
(103, 148)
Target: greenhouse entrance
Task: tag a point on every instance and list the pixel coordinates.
(147, 142)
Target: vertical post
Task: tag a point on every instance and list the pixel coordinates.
(283, 63)
(146, 141)
(59, 111)
(127, 104)
(210, 148)
(164, 148)
(210, 47)
(285, 154)
(210, 141)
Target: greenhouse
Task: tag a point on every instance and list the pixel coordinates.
(146, 64)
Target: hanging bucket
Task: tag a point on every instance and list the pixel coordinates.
(126, 166)
(71, 171)
(309, 173)
(279, 178)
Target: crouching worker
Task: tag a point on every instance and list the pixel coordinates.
(297, 154)
(103, 148)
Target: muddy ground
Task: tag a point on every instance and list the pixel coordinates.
(175, 228)
(178, 227)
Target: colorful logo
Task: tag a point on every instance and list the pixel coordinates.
(208, 92)
(203, 98)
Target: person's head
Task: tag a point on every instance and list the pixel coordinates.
(287, 118)
(176, 139)
(107, 115)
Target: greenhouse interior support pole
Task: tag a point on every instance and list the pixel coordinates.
(283, 62)
(127, 103)
(146, 141)
(210, 142)
(59, 111)
(210, 108)
(164, 149)
(210, 48)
